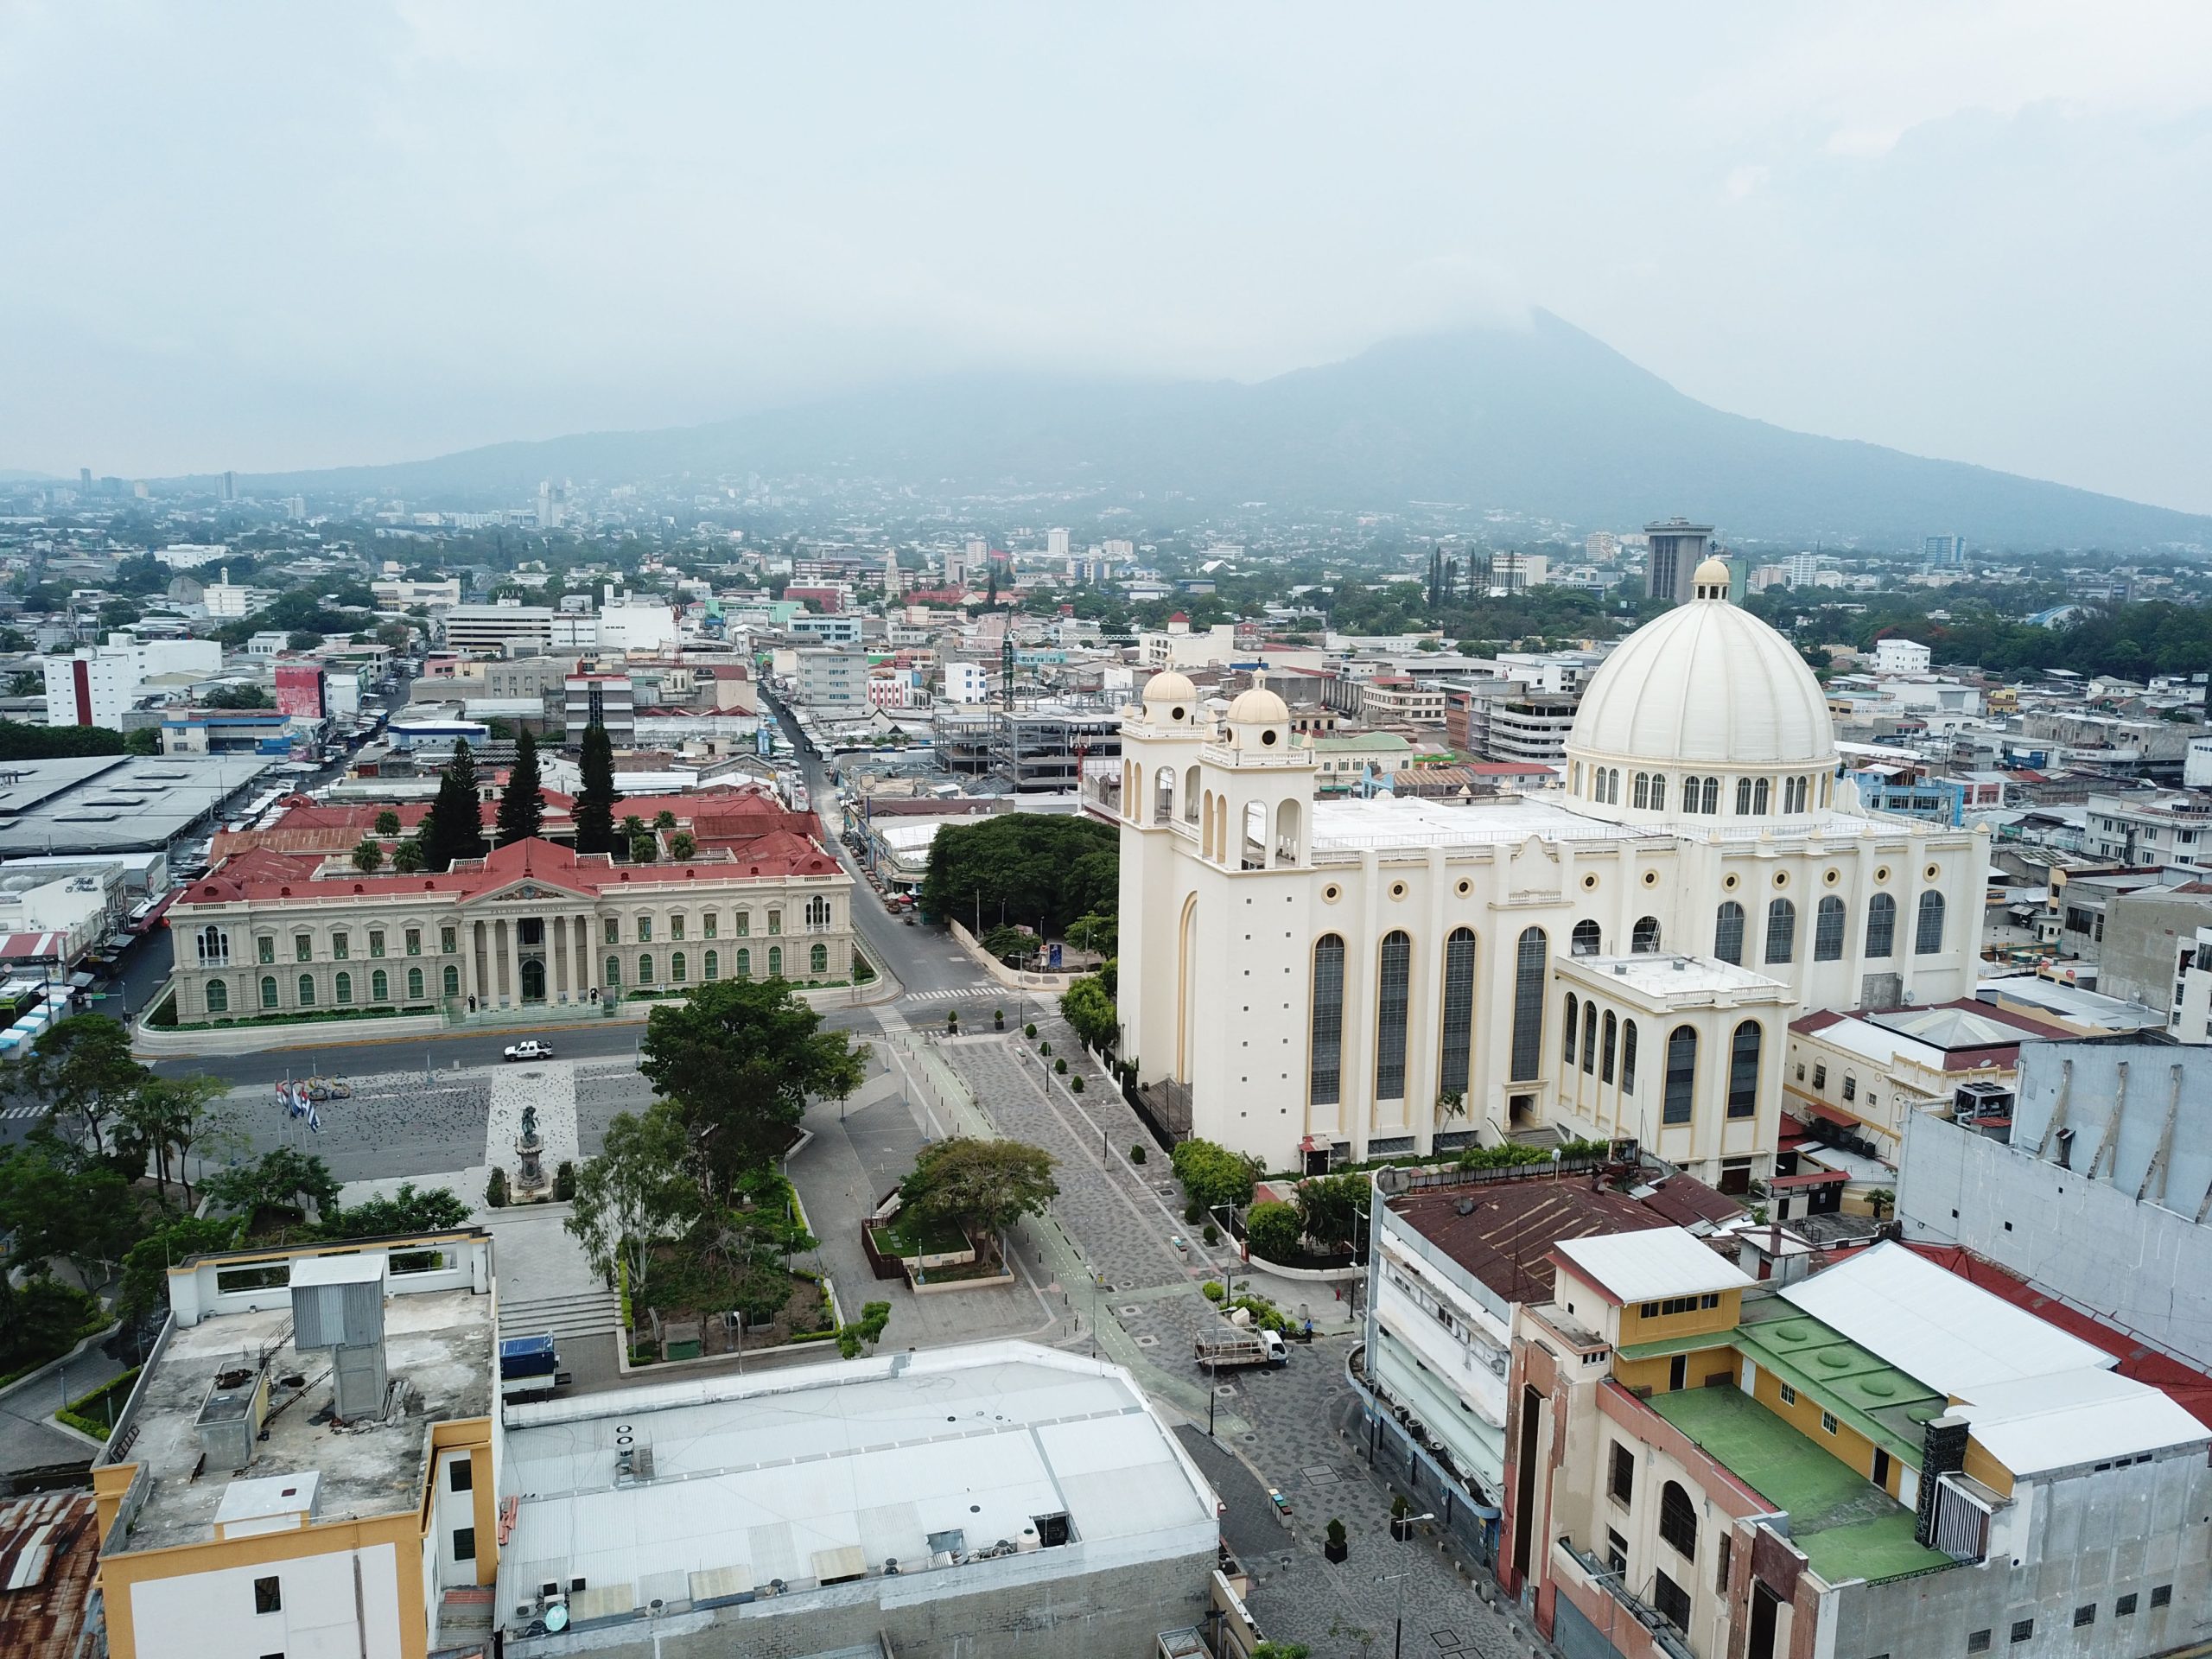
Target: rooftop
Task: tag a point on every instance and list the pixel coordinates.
(1503, 1231)
(1650, 1266)
(114, 803)
(1847, 1527)
(438, 1343)
(941, 1460)
(1388, 823)
(1667, 977)
(49, 1549)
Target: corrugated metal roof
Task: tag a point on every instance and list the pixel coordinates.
(49, 1547)
(2075, 1417)
(1651, 1266)
(1952, 1335)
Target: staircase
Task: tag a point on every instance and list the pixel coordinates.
(465, 1620)
(586, 1313)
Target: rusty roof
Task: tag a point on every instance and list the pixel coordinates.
(49, 1546)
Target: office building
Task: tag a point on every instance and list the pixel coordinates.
(508, 629)
(834, 680)
(609, 701)
(100, 684)
(1945, 552)
(1056, 543)
(1677, 549)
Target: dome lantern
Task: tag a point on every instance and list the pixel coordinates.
(1711, 580)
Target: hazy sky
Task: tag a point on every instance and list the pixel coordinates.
(264, 236)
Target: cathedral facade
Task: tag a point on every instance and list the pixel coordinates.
(1621, 955)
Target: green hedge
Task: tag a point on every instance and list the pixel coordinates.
(91, 1413)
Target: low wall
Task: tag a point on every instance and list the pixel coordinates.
(1013, 978)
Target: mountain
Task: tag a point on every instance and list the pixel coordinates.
(1543, 421)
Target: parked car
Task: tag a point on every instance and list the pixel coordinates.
(530, 1049)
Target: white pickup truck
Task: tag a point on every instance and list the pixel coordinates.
(530, 1049)
(1234, 1345)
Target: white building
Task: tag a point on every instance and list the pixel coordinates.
(497, 629)
(1320, 978)
(1901, 657)
(97, 686)
(966, 683)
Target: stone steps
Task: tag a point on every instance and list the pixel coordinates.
(587, 1314)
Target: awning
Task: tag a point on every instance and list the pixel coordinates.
(1816, 1177)
(1821, 1109)
(34, 947)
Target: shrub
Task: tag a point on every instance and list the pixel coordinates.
(1060, 1067)
(1211, 1290)
(998, 1019)
(1136, 1153)
(1212, 1174)
(1212, 1233)
(565, 1181)
(495, 1190)
(1192, 1212)
(1030, 1030)
(1273, 1231)
(952, 1021)
(1075, 1085)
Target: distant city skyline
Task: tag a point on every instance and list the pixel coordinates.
(264, 238)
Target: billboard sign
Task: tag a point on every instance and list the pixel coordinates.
(299, 690)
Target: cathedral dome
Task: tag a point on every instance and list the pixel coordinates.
(1172, 692)
(1705, 685)
(1259, 706)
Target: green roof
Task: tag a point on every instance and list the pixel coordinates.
(1365, 741)
(1882, 1402)
(1847, 1527)
(1663, 1347)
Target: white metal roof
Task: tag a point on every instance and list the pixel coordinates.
(2077, 1417)
(1932, 1325)
(1652, 1265)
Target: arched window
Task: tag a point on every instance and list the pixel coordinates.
(646, 969)
(1758, 797)
(215, 947)
(1191, 796)
(818, 960)
(817, 913)
(614, 973)
(1928, 937)
(218, 997)
(712, 968)
(1680, 1101)
(269, 990)
(1573, 1010)
(1640, 794)
(451, 980)
(1325, 1071)
(1881, 925)
(414, 984)
(1589, 1037)
(1678, 1521)
(1613, 787)
(1780, 932)
(1744, 1072)
(1458, 1023)
(341, 989)
(1644, 938)
(1742, 797)
(1606, 1054)
(1531, 956)
(1392, 977)
(679, 969)
(1585, 939)
(1658, 791)
(1711, 801)
(1728, 932)
(1828, 931)
(744, 962)
(1628, 1057)
(775, 961)
(379, 987)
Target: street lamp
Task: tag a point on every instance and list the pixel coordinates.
(1405, 1541)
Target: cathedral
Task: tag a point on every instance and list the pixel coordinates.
(1328, 980)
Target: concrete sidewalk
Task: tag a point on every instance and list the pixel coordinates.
(28, 1438)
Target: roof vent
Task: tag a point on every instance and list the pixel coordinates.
(1465, 1207)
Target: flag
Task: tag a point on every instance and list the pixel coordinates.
(314, 1118)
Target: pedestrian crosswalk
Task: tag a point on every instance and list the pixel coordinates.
(957, 994)
(24, 1111)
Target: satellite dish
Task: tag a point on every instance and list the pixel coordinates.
(556, 1616)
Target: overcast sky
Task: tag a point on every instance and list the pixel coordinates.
(270, 236)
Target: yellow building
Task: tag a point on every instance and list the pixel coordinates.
(308, 1463)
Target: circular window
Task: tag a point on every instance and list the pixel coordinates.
(1397, 889)
(1832, 877)
(1882, 873)
(1728, 882)
(1332, 894)
(1933, 873)
(1177, 712)
(1267, 737)
(1464, 887)
(1781, 878)
(1651, 878)
(1589, 884)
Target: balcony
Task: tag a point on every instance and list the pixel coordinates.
(1600, 1596)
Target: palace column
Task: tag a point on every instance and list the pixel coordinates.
(514, 958)
(465, 936)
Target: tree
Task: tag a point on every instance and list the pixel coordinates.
(1098, 934)
(682, 848)
(170, 1116)
(1088, 1006)
(147, 740)
(145, 1286)
(410, 1210)
(388, 823)
(1212, 1174)
(82, 1073)
(643, 849)
(455, 830)
(984, 1186)
(593, 812)
(1023, 866)
(282, 1180)
(55, 1202)
(20, 741)
(1272, 1231)
(1330, 1207)
(636, 1193)
(522, 809)
(739, 1057)
(408, 858)
(368, 857)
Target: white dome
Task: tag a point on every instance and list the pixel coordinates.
(1705, 684)
(1168, 686)
(1259, 706)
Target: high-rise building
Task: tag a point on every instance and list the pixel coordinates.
(296, 509)
(85, 480)
(1056, 543)
(230, 486)
(1947, 552)
(1120, 551)
(1678, 547)
(1804, 570)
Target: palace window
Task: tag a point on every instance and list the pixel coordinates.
(1395, 968)
(1780, 931)
(1744, 1072)
(1881, 925)
(1324, 1072)
(1458, 1016)
(1531, 959)
(1679, 1100)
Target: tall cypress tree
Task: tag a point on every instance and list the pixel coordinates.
(593, 812)
(457, 817)
(522, 809)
